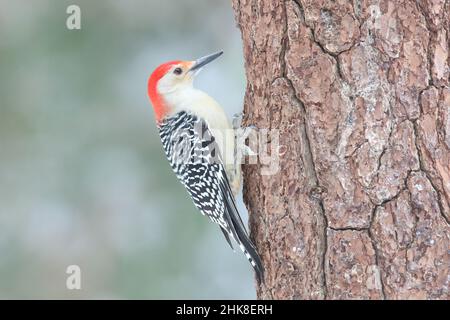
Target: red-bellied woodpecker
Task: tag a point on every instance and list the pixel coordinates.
(199, 143)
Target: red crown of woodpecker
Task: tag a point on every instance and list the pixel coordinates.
(157, 101)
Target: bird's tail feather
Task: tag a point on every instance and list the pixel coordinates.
(253, 257)
(240, 234)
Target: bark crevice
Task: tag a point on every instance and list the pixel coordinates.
(427, 174)
(309, 160)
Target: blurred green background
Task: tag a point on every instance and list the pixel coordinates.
(83, 179)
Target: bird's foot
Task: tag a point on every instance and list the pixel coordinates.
(237, 120)
(247, 151)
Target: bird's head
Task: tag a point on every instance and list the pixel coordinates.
(171, 77)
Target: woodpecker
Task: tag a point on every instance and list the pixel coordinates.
(199, 143)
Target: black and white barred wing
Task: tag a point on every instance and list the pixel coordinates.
(193, 155)
(196, 160)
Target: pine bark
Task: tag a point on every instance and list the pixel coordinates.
(359, 93)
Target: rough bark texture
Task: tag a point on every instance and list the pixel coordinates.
(359, 91)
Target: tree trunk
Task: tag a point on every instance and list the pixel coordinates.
(359, 93)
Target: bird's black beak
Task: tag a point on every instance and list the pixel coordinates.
(199, 63)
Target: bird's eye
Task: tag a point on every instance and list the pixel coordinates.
(178, 71)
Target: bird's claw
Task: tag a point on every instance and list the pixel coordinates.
(237, 120)
(247, 151)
